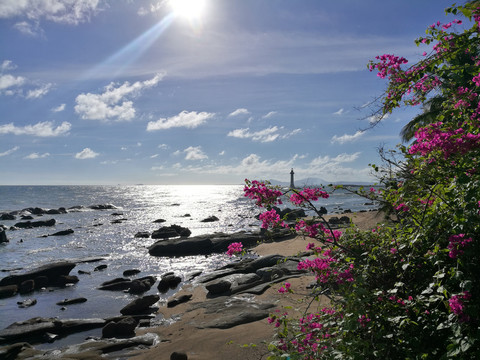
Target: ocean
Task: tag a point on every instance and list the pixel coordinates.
(110, 234)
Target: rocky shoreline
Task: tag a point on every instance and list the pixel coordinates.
(229, 291)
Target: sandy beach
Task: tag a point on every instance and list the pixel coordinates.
(248, 341)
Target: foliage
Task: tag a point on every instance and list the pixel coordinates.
(407, 289)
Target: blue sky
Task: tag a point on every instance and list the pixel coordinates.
(145, 91)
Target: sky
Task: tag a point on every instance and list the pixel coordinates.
(198, 91)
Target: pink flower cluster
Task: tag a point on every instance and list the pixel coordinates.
(308, 195)
(324, 271)
(456, 245)
(457, 306)
(402, 207)
(310, 230)
(433, 138)
(235, 248)
(284, 289)
(388, 65)
(271, 218)
(364, 320)
(261, 193)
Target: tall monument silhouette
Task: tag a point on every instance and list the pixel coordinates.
(292, 183)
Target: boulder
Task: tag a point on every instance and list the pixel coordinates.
(26, 286)
(10, 352)
(64, 280)
(178, 356)
(166, 232)
(33, 224)
(100, 267)
(140, 306)
(3, 236)
(210, 219)
(8, 290)
(116, 284)
(6, 216)
(41, 282)
(122, 328)
(103, 207)
(159, 221)
(61, 210)
(63, 232)
(180, 300)
(218, 287)
(168, 281)
(142, 234)
(26, 303)
(72, 301)
(131, 272)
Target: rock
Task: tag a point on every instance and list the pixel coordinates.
(139, 287)
(166, 232)
(26, 217)
(122, 328)
(131, 272)
(26, 286)
(8, 290)
(159, 221)
(178, 356)
(3, 236)
(210, 219)
(63, 233)
(72, 301)
(218, 287)
(6, 216)
(103, 207)
(10, 352)
(26, 303)
(117, 214)
(64, 280)
(100, 267)
(140, 306)
(33, 224)
(180, 300)
(168, 281)
(142, 234)
(116, 284)
(41, 282)
(58, 211)
(49, 337)
(33, 330)
(83, 272)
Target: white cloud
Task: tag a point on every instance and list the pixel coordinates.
(39, 92)
(269, 115)
(113, 103)
(41, 129)
(59, 108)
(34, 156)
(185, 119)
(29, 29)
(60, 11)
(8, 81)
(154, 156)
(347, 138)
(194, 153)
(86, 153)
(339, 112)
(163, 146)
(8, 152)
(377, 118)
(240, 111)
(221, 153)
(266, 135)
(7, 65)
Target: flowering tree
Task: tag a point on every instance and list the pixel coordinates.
(408, 289)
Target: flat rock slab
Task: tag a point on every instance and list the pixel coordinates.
(51, 271)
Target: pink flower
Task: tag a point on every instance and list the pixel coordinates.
(457, 306)
(271, 218)
(235, 248)
(307, 195)
(284, 289)
(456, 244)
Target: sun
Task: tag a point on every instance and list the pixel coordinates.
(190, 9)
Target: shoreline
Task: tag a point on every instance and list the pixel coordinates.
(236, 342)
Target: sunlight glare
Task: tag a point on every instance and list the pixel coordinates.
(190, 9)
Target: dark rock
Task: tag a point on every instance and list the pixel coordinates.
(131, 272)
(63, 232)
(187, 215)
(3, 236)
(347, 211)
(41, 282)
(122, 328)
(26, 303)
(118, 221)
(6, 216)
(72, 301)
(8, 290)
(33, 224)
(56, 211)
(10, 352)
(142, 234)
(178, 356)
(100, 267)
(103, 207)
(139, 286)
(26, 286)
(345, 219)
(218, 287)
(159, 221)
(83, 272)
(26, 217)
(117, 214)
(334, 220)
(180, 300)
(64, 280)
(166, 232)
(168, 281)
(140, 306)
(117, 284)
(210, 219)
(49, 337)
(33, 330)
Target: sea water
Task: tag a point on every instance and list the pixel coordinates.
(97, 234)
